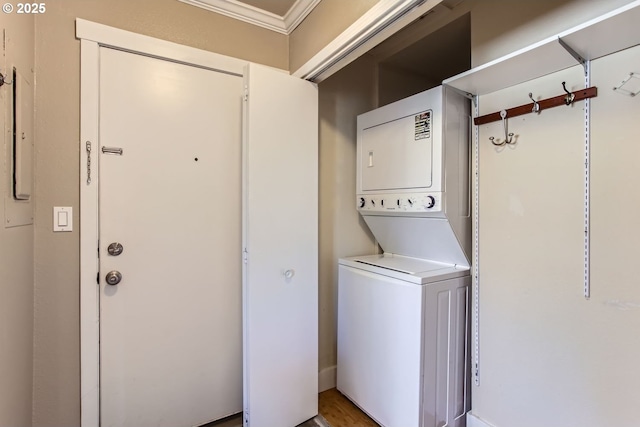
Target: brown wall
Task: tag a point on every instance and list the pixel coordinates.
(327, 21)
(16, 244)
(499, 27)
(342, 231)
(56, 359)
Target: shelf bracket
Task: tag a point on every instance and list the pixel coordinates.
(575, 54)
(466, 94)
(476, 250)
(587, 185)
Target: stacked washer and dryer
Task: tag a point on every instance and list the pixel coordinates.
(403, 316)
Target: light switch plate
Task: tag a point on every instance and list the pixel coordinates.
(62, 218)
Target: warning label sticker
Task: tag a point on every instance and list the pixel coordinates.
(423, 125)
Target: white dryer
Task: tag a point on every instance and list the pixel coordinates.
(403, 315)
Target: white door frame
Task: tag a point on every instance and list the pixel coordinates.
(93, 36)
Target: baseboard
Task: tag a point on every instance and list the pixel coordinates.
(327, 378)
(475, 421)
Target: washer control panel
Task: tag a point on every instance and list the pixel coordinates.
(399, 203)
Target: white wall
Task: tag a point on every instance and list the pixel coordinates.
(548, 356)
(16, 244)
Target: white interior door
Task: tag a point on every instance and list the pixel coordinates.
(281, 242)
(170, 331)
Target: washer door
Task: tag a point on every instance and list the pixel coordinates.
(379, 345)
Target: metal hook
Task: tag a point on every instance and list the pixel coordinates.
(3, 81)
(570, 96)
(497, 144)
(508, 137)
(536, 106)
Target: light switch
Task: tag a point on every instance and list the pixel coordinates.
(62, 218)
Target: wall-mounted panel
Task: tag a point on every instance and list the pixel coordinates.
(23, 138)
(19, 133)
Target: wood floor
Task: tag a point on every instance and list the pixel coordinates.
(332, 405)
(340, 412)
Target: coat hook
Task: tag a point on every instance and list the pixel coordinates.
(3, 81)
(508, 137)
(570, 96)
(536, 106)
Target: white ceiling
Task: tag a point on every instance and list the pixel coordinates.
(282, 16)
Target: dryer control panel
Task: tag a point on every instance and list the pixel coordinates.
(398, 203)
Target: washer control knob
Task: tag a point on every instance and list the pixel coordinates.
(362, 202)
(430, 202)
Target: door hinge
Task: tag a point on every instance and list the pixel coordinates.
(245, 256)
(88, 149)
(246, 94)
(98, 278)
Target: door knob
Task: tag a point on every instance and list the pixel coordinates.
(113, 277)
(115, 249)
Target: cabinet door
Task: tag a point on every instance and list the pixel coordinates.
(281, 248)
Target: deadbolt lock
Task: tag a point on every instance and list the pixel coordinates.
(115, 249)
(113, 277)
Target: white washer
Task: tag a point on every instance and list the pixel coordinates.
(402, 340)
(402, 319)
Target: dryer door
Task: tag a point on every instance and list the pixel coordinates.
(398, 154)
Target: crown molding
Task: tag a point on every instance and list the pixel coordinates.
(255, 16)
(297, 13)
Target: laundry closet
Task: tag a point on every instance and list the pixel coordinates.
(551, 309)
(406, 310)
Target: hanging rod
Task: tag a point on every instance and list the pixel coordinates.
(556, 101)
